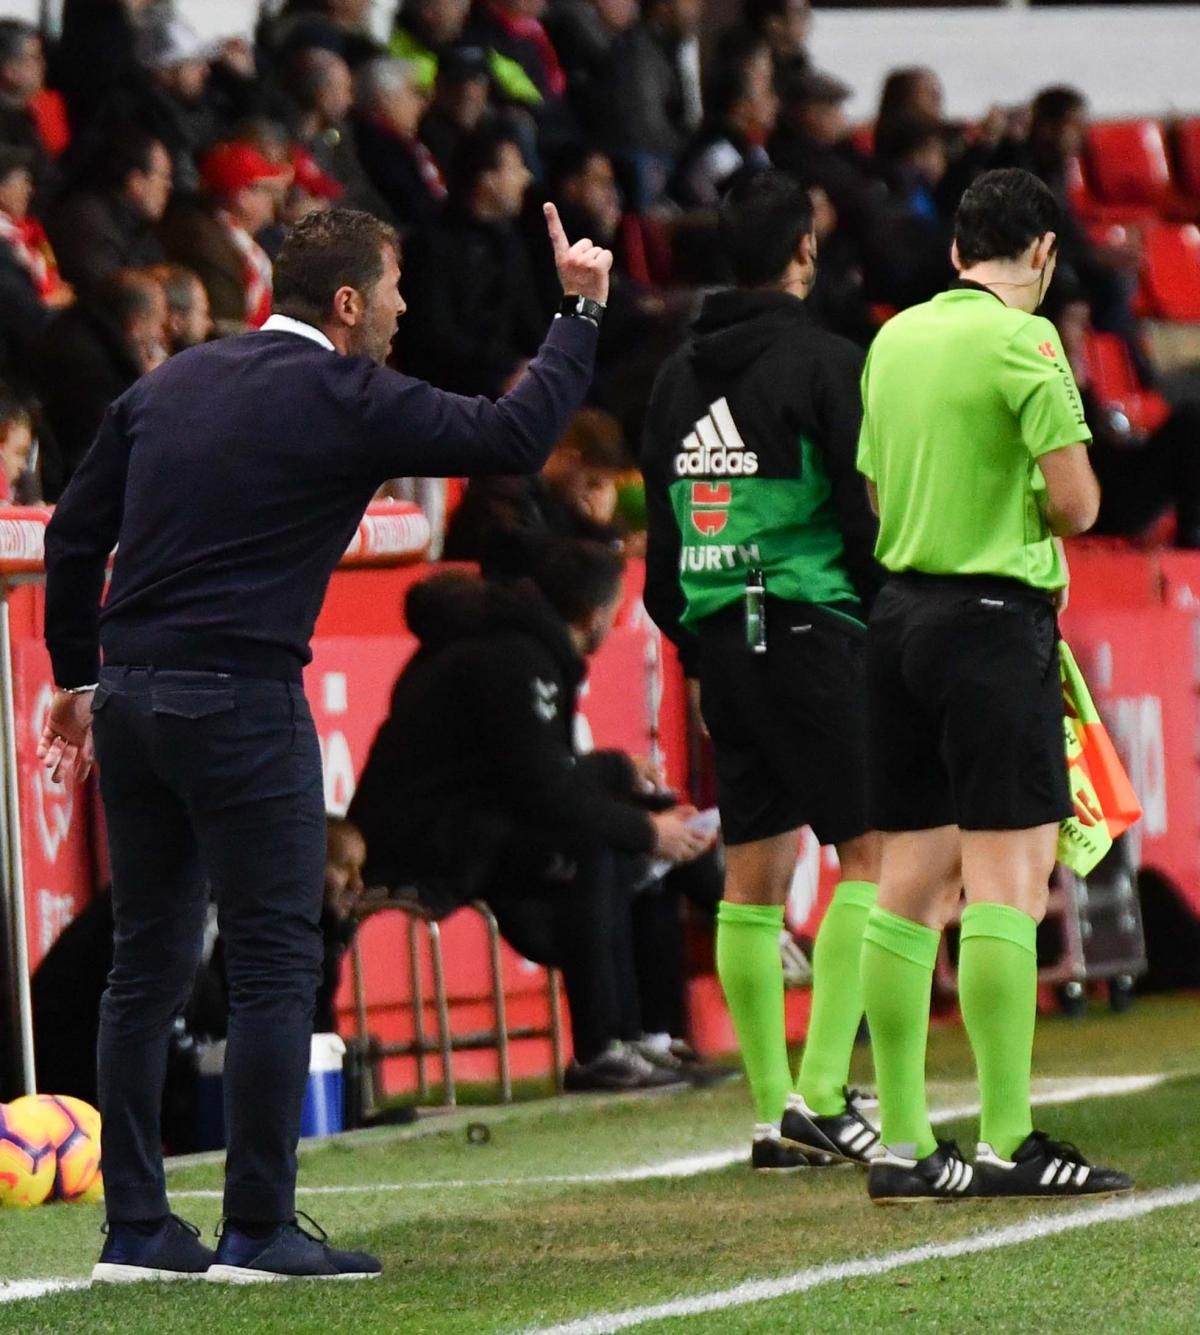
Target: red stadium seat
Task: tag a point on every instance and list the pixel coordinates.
(1187, 158)
(1171, 275)
(1116, 383)
(1127, 163)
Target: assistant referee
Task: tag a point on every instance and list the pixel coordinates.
(232, 480)
(975, 447)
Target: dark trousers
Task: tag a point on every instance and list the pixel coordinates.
(209, 782)
(1139, 481)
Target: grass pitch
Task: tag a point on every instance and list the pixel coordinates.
(483, 1239)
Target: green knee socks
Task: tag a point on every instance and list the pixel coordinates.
(837, 999)
(898, 956)
(751, 975)
(997, 991)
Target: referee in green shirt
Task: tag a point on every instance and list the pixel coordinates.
(974, 446)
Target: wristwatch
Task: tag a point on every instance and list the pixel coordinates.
(581, 308)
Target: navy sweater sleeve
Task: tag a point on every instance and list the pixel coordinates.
(82, 533)
(411, 429)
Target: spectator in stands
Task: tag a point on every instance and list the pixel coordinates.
(341, 25)
(189, 316)
(584, 33)
(524, 62)
(785, 26)
(474, 318)
(513, 519)
(214, 234)
(88, 356)
(655, 103)
(1107, 273)
(914, 167)
(473, 789)
(425, 31)
(31, 287)
(171, 104)
(1142, 473)
(388, 111)
(913, 93)
(741, 111)
(321, 86)
(22, 82)
(16, 446)
(460, 101)
(108, 223)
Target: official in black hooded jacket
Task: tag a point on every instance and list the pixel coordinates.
(473, 789)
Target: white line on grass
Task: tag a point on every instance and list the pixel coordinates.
(14, 1290)
(1047, 1092)
(764, 1290)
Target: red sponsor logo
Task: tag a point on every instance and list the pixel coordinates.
(1048, 350)
(1086, 810)
(710, 502)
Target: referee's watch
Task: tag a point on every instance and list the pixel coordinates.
(581, 308)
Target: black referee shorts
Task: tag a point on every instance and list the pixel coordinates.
(965, 706)
(788, 726)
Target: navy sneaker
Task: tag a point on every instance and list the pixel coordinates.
(173, 1252)
(287, 1253)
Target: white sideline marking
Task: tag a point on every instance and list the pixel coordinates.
(14, 1290)
(1046, 1092)
(764, 1290)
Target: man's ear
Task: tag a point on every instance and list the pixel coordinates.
(955, 257)
(1043, 249)
(806, 251)
(348, 306)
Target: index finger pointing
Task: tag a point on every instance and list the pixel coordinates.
(558, 238)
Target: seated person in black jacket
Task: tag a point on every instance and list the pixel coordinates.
(574, 496)
(473, 789)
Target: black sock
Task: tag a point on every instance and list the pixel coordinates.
(254, 1228)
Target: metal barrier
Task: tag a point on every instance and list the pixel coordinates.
(391, 533)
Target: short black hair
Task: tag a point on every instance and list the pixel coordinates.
(755, 13)
(479, 152)
(15, 158)
(110, 155)
(569, 161)
(1053, 105)
(577, 577)
(13, 36)
(1001, 213)
(762, 221)
(327, 250)
(13, 408)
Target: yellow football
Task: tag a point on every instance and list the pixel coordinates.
(27, 1157)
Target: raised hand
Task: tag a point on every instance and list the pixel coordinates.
(583, 269)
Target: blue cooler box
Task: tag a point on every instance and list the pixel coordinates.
(322, 1114)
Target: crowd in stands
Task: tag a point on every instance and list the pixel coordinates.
(147, 178)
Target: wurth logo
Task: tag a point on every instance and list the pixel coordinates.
(715, 447)
(710, 506)
(1048, 350)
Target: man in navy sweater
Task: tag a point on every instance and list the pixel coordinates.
(233, 479)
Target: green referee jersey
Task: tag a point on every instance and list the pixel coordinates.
(961, 397)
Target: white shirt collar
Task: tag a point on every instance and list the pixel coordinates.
(284, 324)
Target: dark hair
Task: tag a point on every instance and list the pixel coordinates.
(110, 157)
(755, 13)
(13, 35)
(178, 284)
(13, 408)
(569, 161)
(1001, 213)
(896, 108)
(479, 152)
(909, 134)
(763, 219)
(126, 294)
(327, 250)
(728, 78)
(1053, 105)
(15, 158)
(578, 577)
(598, 439)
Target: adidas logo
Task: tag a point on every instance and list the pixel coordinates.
(716, 447)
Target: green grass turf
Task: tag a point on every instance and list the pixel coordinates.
(492, 1258)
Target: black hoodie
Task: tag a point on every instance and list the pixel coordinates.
(477, 750)
(749, 459)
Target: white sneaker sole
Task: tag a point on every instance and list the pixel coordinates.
(104, 1272)
(236, 1274)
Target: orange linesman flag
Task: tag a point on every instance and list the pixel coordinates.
(1105, 803)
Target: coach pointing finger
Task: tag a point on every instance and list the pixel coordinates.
(232, 480)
